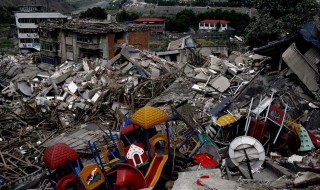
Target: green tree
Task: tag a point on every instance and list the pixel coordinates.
(123, 16)
(6, 15)
(95, 13)
(186, 19)
(278, 17)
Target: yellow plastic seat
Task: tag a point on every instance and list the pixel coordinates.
(225, 120)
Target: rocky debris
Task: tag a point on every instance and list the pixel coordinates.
(282, 183)
(307, 179)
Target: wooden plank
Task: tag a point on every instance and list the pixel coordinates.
(3, 160)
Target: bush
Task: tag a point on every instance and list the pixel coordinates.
(95, 13)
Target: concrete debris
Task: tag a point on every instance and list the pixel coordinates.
(206, 111)
(307, 179)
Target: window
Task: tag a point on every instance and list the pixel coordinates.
(26, 40)
(86, 38)
(28, 30)
(68, 34)
(50, 60)
(49, 46)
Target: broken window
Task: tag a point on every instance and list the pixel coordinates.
(119, 38)
(49, 46)
(50, 60)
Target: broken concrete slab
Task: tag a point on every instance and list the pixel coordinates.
(303, 69)
(201, 77)
(155, 73)
(220, 83)
(257, 57)
(25, 88)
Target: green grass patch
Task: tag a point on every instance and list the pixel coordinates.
(7, 46)
(6, 43)
(158, 45)
(211, 42)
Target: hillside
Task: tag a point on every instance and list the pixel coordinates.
(60, 6)
(8, 3)
(54, 5)
(83, 5)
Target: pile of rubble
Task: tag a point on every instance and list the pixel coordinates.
(222, 99)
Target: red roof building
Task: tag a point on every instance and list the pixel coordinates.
(156, 25)
(211, 25)
(148, 20)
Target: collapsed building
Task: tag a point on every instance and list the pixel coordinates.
(247, 121)
(74, 40)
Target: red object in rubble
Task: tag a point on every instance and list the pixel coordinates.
(127, 177)
(68, 180)
(57, 155)
(202, 177)
(205, 160)
(128, 129)
(315, 140)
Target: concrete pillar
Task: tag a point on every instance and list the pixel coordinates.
(105, 48)
(63, 51)
(75, 47)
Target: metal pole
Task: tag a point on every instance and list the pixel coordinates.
(257, 115)
(111, 136)
(248, 163)
(191, 134)
(201, 145)
(102, 167)
(168, 139)
(92, 152)
(248, 118)
(75, 173)
(50, 180)
(281, 126)
(265, 119)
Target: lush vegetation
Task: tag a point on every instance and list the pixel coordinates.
(202, 3)
(126, 16)
(6, 15)
(188, 19)
(95, 13)
(278, 18)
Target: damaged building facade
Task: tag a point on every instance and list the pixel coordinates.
(74, 40)
(27, 28)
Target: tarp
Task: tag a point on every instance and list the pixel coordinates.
(310, 34)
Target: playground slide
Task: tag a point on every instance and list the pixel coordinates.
(155, 169)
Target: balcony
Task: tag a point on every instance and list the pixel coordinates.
(28, 35)
(26, 25)
(30, 45)
(85, 45)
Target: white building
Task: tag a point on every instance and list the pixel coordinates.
(211, 25)
(27, 29)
